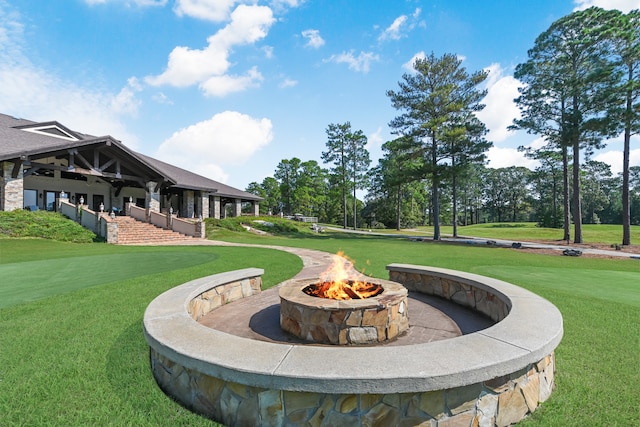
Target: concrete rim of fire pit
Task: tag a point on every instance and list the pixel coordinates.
(531, 331)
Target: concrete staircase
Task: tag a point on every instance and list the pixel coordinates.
(132, 231)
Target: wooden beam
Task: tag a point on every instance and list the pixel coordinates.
(91, 172)
(17, 165)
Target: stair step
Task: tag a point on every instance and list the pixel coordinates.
(131, 230)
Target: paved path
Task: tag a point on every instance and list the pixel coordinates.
(499, 242)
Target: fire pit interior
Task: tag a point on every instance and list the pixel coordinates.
(343, 290)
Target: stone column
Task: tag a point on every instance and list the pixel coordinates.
(152, 197)
(256, 208)
(12, 193)
(204, 200)
(200, 229)
(186, 211)
(216, 207)
(237, 211)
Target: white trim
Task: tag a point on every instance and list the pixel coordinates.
(41, 130)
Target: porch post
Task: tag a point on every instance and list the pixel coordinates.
(216, 207)
(204, 202)
(12, 187)
(152, 197)
(237, 211)
(256, 208)
(187, 204)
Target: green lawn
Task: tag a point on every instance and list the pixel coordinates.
(591, 233)
(73, 353)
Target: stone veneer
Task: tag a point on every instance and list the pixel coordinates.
(493, 377)
(12, 191)
(501, 401)
(344, 322)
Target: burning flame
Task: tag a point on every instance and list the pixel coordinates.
(341, 281)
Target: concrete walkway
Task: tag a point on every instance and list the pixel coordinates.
(482, 241)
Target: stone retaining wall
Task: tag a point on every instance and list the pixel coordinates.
(499, 402)
(493, 377)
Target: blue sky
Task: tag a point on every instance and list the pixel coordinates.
(229, 88)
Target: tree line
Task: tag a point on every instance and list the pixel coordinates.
(581, 87)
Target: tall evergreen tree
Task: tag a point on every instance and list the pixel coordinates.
(287, 173)
(626, 43)
(566, 96)
(432, 98)
(346, 150)
(467, 146)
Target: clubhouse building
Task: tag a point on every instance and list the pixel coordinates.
(43, 162)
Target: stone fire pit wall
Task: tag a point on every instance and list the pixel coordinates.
(494, 377)
(343, 322)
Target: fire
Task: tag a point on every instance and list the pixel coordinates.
(341, 281)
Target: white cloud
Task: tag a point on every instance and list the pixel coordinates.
(506, 157)
(392, 32)
(208, 10)
(500, 110)
(228, 138)
(268, 51)
(360, 63)
(622, 5)
(283, 5)
(187, 67)
(223, 85)
(314, 40)
(161, 98)
(538, 143)
(287, 82)
(614, 159)
(400, 26)
(409, 64)
(375, 139)
(34, 93)
(125, 101)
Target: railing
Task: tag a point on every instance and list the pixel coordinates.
(105, 226)
(185, 227)
(68, 209)
(137, 213)
(98, 222)
(89, 219)
(158, 219)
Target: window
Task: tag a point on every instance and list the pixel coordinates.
(30, 198)
(50, 200)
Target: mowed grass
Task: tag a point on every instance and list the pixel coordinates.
(591, 233)
(79, 357)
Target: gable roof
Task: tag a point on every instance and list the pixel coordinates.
(21, 138)
(193, 181)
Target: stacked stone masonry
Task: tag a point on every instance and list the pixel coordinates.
(233, 400)
(500, 402)
(348, 322)
(467, 295)
(223, 294)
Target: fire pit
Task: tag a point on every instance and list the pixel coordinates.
(378, 318)
(493, 377)
(343, 307)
